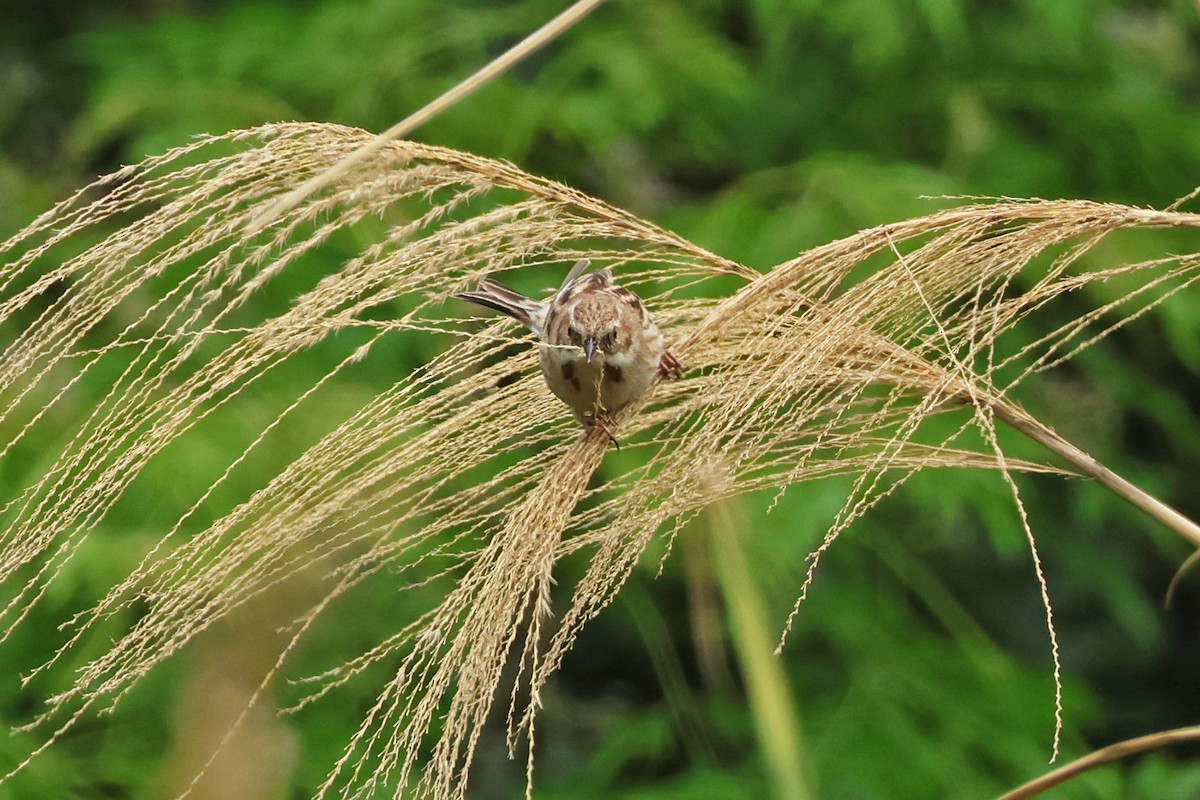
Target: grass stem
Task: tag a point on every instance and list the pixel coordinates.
(771, 702)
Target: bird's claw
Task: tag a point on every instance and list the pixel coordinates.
(594, 421)
(669, 366)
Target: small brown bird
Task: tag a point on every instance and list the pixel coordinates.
(600, 349)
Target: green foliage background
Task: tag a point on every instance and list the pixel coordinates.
(920, 667)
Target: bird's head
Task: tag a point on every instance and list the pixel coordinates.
(596, 325)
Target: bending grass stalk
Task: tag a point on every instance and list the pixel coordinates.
(493, 69)
(1105, 755)
(771, 702)
(1183, 570)
(1022, 422)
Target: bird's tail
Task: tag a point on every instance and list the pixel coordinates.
(500, 298)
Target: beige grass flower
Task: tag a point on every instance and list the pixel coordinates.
(466, 472)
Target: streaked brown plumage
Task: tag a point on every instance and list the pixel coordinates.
(600, 348)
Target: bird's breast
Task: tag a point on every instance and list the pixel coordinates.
(606, 383)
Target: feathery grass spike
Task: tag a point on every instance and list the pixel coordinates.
(465, 479)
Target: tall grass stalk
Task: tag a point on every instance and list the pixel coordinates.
(771, 701)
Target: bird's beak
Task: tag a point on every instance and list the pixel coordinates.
(589, 348)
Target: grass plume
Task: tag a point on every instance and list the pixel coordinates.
(465, 473)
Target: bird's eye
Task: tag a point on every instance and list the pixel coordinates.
(573, 334)
(610, 340)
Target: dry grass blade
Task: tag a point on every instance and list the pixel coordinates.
(464, 478)
(493, 69)
(1105, 755)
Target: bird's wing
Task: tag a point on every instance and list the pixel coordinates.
(575, 272)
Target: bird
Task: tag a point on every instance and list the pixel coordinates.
(599, 348)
